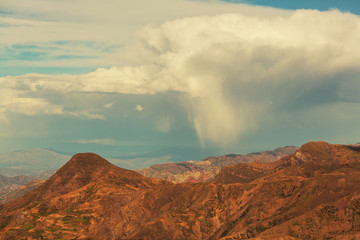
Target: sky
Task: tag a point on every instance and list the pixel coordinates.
(120, 77)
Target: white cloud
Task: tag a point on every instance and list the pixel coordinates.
(232, 65)
(11, 102)
(108, 141)
(109, 105)
(104, 141)
(104, 25)
(33, 106)
(139, 108)
(86, 114)
(229, 67)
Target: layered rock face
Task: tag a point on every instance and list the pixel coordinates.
(311, 194)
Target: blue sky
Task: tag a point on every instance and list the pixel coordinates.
(118, 77)
(352, 6)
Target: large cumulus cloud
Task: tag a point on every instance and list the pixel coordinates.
(234, 71)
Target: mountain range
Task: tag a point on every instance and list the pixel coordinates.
(35, 161)
(30, 162)
(39, 164)
(11, 184)
(200, 171)
(189, 171)
(313, 193)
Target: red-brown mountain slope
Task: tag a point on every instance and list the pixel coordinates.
(21, 190)
(9, 184)
(201, 171)
(312, 194)
(17, 186)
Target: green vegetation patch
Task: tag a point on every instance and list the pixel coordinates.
(53, 228)
(45, 210)
(67, 219)
(86, 220)
(89, 192)
(23, 232)
(28, 226)
(72, 211)
(11, 234)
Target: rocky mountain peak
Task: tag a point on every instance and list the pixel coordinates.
(86, 163)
